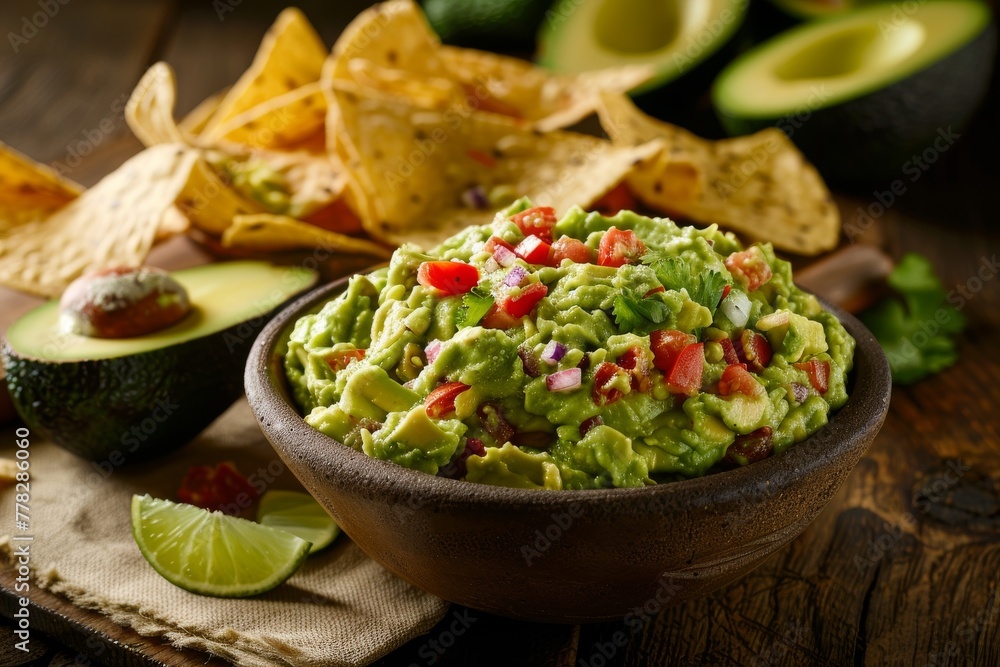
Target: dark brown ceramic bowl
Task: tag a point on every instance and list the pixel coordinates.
(567, 556)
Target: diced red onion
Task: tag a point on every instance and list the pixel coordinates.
(474, 197)
(553, 352)
(736, 307)
(432, 350)
(566, 380)
(504, 257)
(515, 276)
(799, 392)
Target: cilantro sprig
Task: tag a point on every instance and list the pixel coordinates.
(635, 313)
(475, 305)
(676, 273)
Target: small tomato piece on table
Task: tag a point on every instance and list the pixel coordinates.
(818, 372)
(619, 247)
(567, 247)
(520, 305)
(451, 278)
(750, 267)
(216, 488)
(537, 221)
(686, 375)
(441, 401)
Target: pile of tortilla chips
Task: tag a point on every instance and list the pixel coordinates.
(391, 137)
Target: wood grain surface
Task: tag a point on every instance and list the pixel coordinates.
(903, 567)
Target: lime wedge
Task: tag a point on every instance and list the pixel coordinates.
(211, 553)
(298, 514)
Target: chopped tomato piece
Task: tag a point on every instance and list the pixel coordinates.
(441, 401)
(607, 385)
(337, 217)
(750, 267)
(339, 360)
(497, 242)
(667, 345)
(756, 350)
(655, 290)
(634, 361)
(498, 318)
(818, 372)
(218, 488)
(725, 292)
(448, 277)
(590, 424)
(566, 247)
(750, 448)
(521, 305)
(619, 247)
(534, 250)
(686, 375)
(736, 379)
(619, 198)
(537, 221)
(729, 352)
(482, 158)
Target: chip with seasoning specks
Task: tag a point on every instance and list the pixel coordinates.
(30, 191)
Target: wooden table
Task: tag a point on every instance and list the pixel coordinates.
(903, 567)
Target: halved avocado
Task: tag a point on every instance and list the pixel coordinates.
(679, 38)
(812, 9)
(869, 94)
(118, 401)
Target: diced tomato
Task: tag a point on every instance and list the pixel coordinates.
(818, 372)
(498, 318)
(219, 488)
(590, 424)
(566, 247)
(441, 401)
(750, 448)
(497, 242)
(339, 360)
(736, 379)
(606, 376)
(729, 352)
(534, 250)
(337, 217)
(448, 277)
(619, 247)
(521, 305)
(725, 292)
(619, 198)
(686, 375)
(493, 422)
(667, 345)
(756, 350)
(537, 221)
(655, 290)
(750, 267)
(482, 158)
(634, 361)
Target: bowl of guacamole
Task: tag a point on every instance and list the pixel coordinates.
(597, 409)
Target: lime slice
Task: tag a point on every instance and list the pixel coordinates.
(211, 553)
(298, 514)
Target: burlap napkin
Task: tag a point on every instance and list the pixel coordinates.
(341, 608)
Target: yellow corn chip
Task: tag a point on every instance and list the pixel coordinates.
(150, 109)
(759, 185)
(290, 56)
(112, 224)
(415, 167)
(278, 122)
(210, 203)
(196, 119)
(274, 233)
(29, 191)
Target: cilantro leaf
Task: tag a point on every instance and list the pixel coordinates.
(475, 305)
(675, 273)
(637, 314)
(915, 332)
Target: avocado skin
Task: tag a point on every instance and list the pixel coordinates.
(97, 408)
(869, 139)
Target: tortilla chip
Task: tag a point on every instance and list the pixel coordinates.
(195, 121)
(279, 232)
(210, 203)
(759, 185)
(150, 108)
(412, 166)
(30, 191)
(281, 121)
(290, 56)
(112, 224)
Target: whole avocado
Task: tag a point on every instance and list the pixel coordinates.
(508, 25)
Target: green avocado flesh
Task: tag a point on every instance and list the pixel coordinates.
(583, 35)
(806, 9)
(372, 368)
(119, 401)
(863, 92)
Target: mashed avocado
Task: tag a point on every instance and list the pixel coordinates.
(577, 353)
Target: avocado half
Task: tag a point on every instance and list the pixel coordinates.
(683, 40)
(813, 9)
(120, 401)
(869, 95)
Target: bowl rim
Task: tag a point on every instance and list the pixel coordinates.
(847, 433)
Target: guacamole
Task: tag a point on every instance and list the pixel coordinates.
(574, 353)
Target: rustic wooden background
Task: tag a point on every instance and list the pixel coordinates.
(903, 567)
